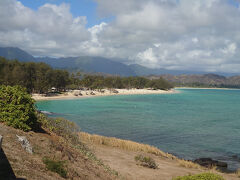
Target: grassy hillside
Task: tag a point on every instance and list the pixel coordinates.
(78, 162)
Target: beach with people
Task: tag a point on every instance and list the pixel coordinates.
(74, 94)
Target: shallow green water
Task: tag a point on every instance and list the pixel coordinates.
(191, 124)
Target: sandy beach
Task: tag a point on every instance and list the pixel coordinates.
(105, 92)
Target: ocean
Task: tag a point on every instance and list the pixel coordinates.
(191, 124)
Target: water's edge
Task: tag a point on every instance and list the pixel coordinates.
(190, 125)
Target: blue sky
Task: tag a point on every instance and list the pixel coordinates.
(78, 8)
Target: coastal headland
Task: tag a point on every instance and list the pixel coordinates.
(104, 158)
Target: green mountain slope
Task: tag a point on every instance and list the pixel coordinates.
(15, 53)
(81, 63)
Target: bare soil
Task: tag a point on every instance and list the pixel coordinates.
(123, 161)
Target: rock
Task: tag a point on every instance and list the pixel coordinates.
(208, 162)
(1, 138)
(222, 164)
(25, 144)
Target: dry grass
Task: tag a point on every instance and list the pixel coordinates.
(123, 144)
(133, 146)
(188, 164)
(238, 173)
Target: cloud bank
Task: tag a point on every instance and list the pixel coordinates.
(174, 34)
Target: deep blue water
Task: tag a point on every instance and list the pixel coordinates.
(191, 124)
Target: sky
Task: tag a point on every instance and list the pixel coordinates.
(200, 35)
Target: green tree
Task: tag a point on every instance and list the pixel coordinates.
(41, 84)
(17, 108)
(160, 84)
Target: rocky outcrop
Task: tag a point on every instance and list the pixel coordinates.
(208, 162)
(25, 144)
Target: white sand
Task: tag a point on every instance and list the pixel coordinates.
(74, 94)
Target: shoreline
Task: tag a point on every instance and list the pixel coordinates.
(206, 88)
(104, 156)
(134, 146)
(78, 94)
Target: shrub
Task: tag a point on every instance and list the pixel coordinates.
(61, 127)
(17, 108)
(203, 176)
(146, 161)
(55, 166)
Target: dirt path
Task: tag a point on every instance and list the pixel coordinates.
(123, 162)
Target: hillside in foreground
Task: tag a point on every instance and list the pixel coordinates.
(114, 154)
(45, 145)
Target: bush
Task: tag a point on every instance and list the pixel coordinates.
(203, 176)
(146, 161)
(61, 127)
(55, 166)
(17, 108)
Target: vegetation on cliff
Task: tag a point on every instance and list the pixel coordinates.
(203, 176)
(17, 108)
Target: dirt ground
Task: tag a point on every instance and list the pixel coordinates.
(123, 162)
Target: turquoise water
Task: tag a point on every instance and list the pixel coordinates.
(191, 124)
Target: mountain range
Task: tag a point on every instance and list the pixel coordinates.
(92, 64)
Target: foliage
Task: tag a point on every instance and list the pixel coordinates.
(160, 84)
(146, 161)
(55, 166)
(17, 108)
(203, 176)
(100, 82)
(35, 77)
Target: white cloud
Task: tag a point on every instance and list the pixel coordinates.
(51, 30)
(173, 34)
(195, 40)
(196, 35)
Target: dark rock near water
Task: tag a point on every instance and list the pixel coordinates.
(1, 142)
(208, 162)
